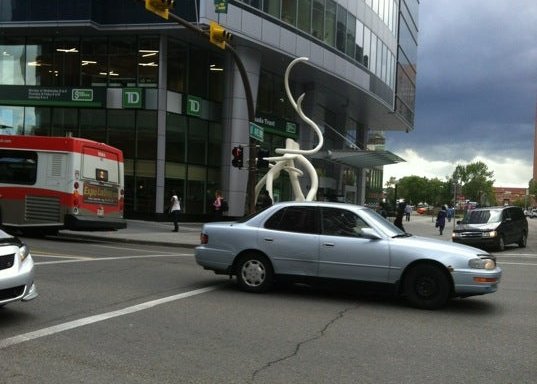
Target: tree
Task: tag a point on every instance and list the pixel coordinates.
(476, 181)
(532, 188)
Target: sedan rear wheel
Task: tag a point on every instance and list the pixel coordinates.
(254, 273)
(426, 286)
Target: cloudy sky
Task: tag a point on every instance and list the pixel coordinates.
(476, 91)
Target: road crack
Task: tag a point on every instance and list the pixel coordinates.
(319, 334)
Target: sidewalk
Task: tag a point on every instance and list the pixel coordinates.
(146, 232)
(160, 233)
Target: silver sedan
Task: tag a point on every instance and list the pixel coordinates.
(16, 271)
(340, 241)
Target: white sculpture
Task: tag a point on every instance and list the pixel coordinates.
(292, 155)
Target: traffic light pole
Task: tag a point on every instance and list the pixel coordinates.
(250, 188)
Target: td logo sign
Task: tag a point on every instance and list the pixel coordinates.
(132, 97)
(193, 106)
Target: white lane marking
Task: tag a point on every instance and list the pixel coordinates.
(97, 318)
(76, 259)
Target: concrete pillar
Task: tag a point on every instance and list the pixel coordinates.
(161, 126)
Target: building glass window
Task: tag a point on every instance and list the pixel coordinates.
(272, 7)
(65, 120)
(214, 152)
(216, 78)
(304, 10)
(195, 188)
(367, 47)
(37, 121)
(330, 23)
(175, 171)
(66, 63)
(93, 124)
(12, 59)
(175, 138)
(148, 62)
(39, 65)
(197, 141)
(351, 35)
(289, 11)
(94, 62)
(11, 120)
(177, 64)
(122, 131)
(146, 135)
(197, 73)
(359, 50)
(318, 19)
(341, 28)
(373, 57)
(123, 59)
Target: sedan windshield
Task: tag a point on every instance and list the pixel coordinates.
(383, 224)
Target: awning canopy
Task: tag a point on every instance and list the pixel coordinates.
(359, 158)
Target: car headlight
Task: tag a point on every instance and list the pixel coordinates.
(490, 234)
(482, 264)
(24, 251)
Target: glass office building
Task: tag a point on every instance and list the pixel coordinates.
(176, 105)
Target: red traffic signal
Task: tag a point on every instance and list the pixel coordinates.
(237, 153)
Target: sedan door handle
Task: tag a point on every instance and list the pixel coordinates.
(268, 239)
(329, 244)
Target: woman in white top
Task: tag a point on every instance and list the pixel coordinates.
(175, 210)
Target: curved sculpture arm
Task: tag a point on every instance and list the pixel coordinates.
(298, 108)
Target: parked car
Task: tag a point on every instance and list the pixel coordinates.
(493, 227)
(322, 240)
(16, 271)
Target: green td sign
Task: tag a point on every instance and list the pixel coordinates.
(132, 97)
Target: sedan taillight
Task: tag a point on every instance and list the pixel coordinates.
(204, 239)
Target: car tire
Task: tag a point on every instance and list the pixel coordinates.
(426, 286)
(500, 244)
(523, 240)
(254, 273)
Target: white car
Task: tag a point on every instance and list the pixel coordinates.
(16, 271)
(324, 240)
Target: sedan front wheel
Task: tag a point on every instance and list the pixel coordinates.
(254, 273)
(426, 286)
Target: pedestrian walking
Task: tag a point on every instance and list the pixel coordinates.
(264, 200)
(175, 210)
(408, 211)
(441, 219)
(398, 222)
(218, 205)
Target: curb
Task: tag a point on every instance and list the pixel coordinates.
(125, 240)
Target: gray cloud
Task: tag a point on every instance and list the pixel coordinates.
(477, 81)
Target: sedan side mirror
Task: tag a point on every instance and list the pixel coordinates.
(370, 233)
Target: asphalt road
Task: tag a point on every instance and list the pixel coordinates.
(120, 313)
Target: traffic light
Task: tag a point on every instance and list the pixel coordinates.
(218, 35)
(159, 7)
(237, 153)
(261, 163)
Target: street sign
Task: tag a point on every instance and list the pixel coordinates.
(256, 132)
(220, 6)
